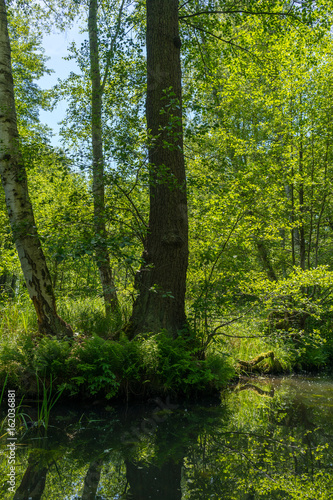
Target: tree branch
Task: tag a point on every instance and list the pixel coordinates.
(221, 39)
(248, 12)
(127, 196)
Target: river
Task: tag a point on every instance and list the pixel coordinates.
(263, 438)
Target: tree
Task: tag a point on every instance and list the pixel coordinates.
(97, 88)
(260, 144)
(14, 180)
(105, 109)
(161, 280)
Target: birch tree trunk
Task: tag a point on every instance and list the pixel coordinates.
(161, 281)
(91, 481)
(101, 249)
(14, 180)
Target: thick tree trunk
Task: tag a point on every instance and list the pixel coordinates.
(161, 281)
(19, 207)
(101, 249)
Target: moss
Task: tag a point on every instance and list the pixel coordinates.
(271, 365)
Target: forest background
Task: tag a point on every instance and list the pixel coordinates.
(251, 121)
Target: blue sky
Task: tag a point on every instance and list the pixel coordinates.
(55, 46)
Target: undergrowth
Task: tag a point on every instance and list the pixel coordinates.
(94, 365)
(247, 339)
(296, 350)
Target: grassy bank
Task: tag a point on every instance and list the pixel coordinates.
(94, 365)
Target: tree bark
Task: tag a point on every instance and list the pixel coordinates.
(302, 245)
(265, 260)
(101, 249)
(14, 180)
(292, 218)
(256, 360)
(161, 281)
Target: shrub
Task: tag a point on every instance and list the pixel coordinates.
(93, 366)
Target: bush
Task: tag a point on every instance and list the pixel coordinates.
(174, 365)
(93, 365)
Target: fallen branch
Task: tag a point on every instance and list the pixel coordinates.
(248, 365)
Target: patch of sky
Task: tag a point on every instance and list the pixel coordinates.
(56, 48)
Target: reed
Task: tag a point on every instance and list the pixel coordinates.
(49, 399)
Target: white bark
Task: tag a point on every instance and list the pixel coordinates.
(14, 180)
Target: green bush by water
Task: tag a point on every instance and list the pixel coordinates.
(92, 366)
(295, 350)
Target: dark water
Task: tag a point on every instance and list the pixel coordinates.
(264, 439)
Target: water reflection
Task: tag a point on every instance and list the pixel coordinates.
(265, 439)
(33, 482)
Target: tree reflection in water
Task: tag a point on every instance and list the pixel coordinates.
(33, 482)
(270, 440)
(91, 481)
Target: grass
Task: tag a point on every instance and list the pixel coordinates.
(49, 399)
(16, 319)
(85, 315)
(3, 389)
(254, 342)
(95, 365)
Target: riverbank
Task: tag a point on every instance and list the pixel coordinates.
(93, 366)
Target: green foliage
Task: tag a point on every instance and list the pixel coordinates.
(48, 400)
(258, 128)
(3, 389)
(87, 315)
(245, 340)
(49, 357)
(259, 168)
(157, 362)
(93, 366)
(177, 367)
(16, 318)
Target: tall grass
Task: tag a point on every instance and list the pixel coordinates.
(47, 402)
(85, 315)
(16, 319)
(246, 339)
(3, 389)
